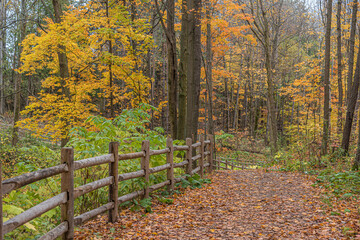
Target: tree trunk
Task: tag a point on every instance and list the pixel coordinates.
(270, 93)
(351, 104)
(165, 120)
(209, 58)
(326, 127)
(356, 164)
(249, 95)
(169, 31)
(172, 68)
(18, 76)
(183, 71)
(236, 110)
(339, 59)
(151, 74)
(194, 68)
(63, 65)
(2, 48)
(110, 51)
(227, 103)
(351, 50)
(246, 107)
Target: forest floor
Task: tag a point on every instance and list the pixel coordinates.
(245, 204)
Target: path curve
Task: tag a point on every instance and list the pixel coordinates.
(249, 204)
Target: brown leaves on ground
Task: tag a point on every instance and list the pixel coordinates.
(251, 204)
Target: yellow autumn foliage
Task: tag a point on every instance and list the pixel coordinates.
(85, 33)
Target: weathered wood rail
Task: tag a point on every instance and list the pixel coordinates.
(232, 163)
(204, 161)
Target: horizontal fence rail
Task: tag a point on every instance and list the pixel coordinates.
(203, 160)
(232, 163)
(27, 178)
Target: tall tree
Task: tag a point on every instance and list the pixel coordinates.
(326, 126)
(63, 61)
(351, 106)
(209, 59)
(351, 50)
(350, 99)
(51, 113)
(267, 33)
(227, 101)
(183, 70)
(172, 67)
(18, 76)
(2, 48)
(339, 63)
(110, 50)
(356, 164)
(193, 68)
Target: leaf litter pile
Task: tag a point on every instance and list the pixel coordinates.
(250, 204)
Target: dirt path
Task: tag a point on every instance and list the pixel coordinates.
(251, 204)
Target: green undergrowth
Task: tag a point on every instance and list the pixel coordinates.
(194, 181)
(31, 154)
(343, 185)
(297, 159)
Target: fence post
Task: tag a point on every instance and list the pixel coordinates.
(67, 185)
(170, 159)
(145, 165)
(232, 164)
(113, 188)
(210, 157)
(189, 155)
(226, 164)
(201, 162)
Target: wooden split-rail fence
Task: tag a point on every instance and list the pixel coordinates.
(236, 163)
(69, 193)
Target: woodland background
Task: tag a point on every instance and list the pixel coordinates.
(275, 80)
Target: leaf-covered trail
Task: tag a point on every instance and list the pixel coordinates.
(251, 204)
